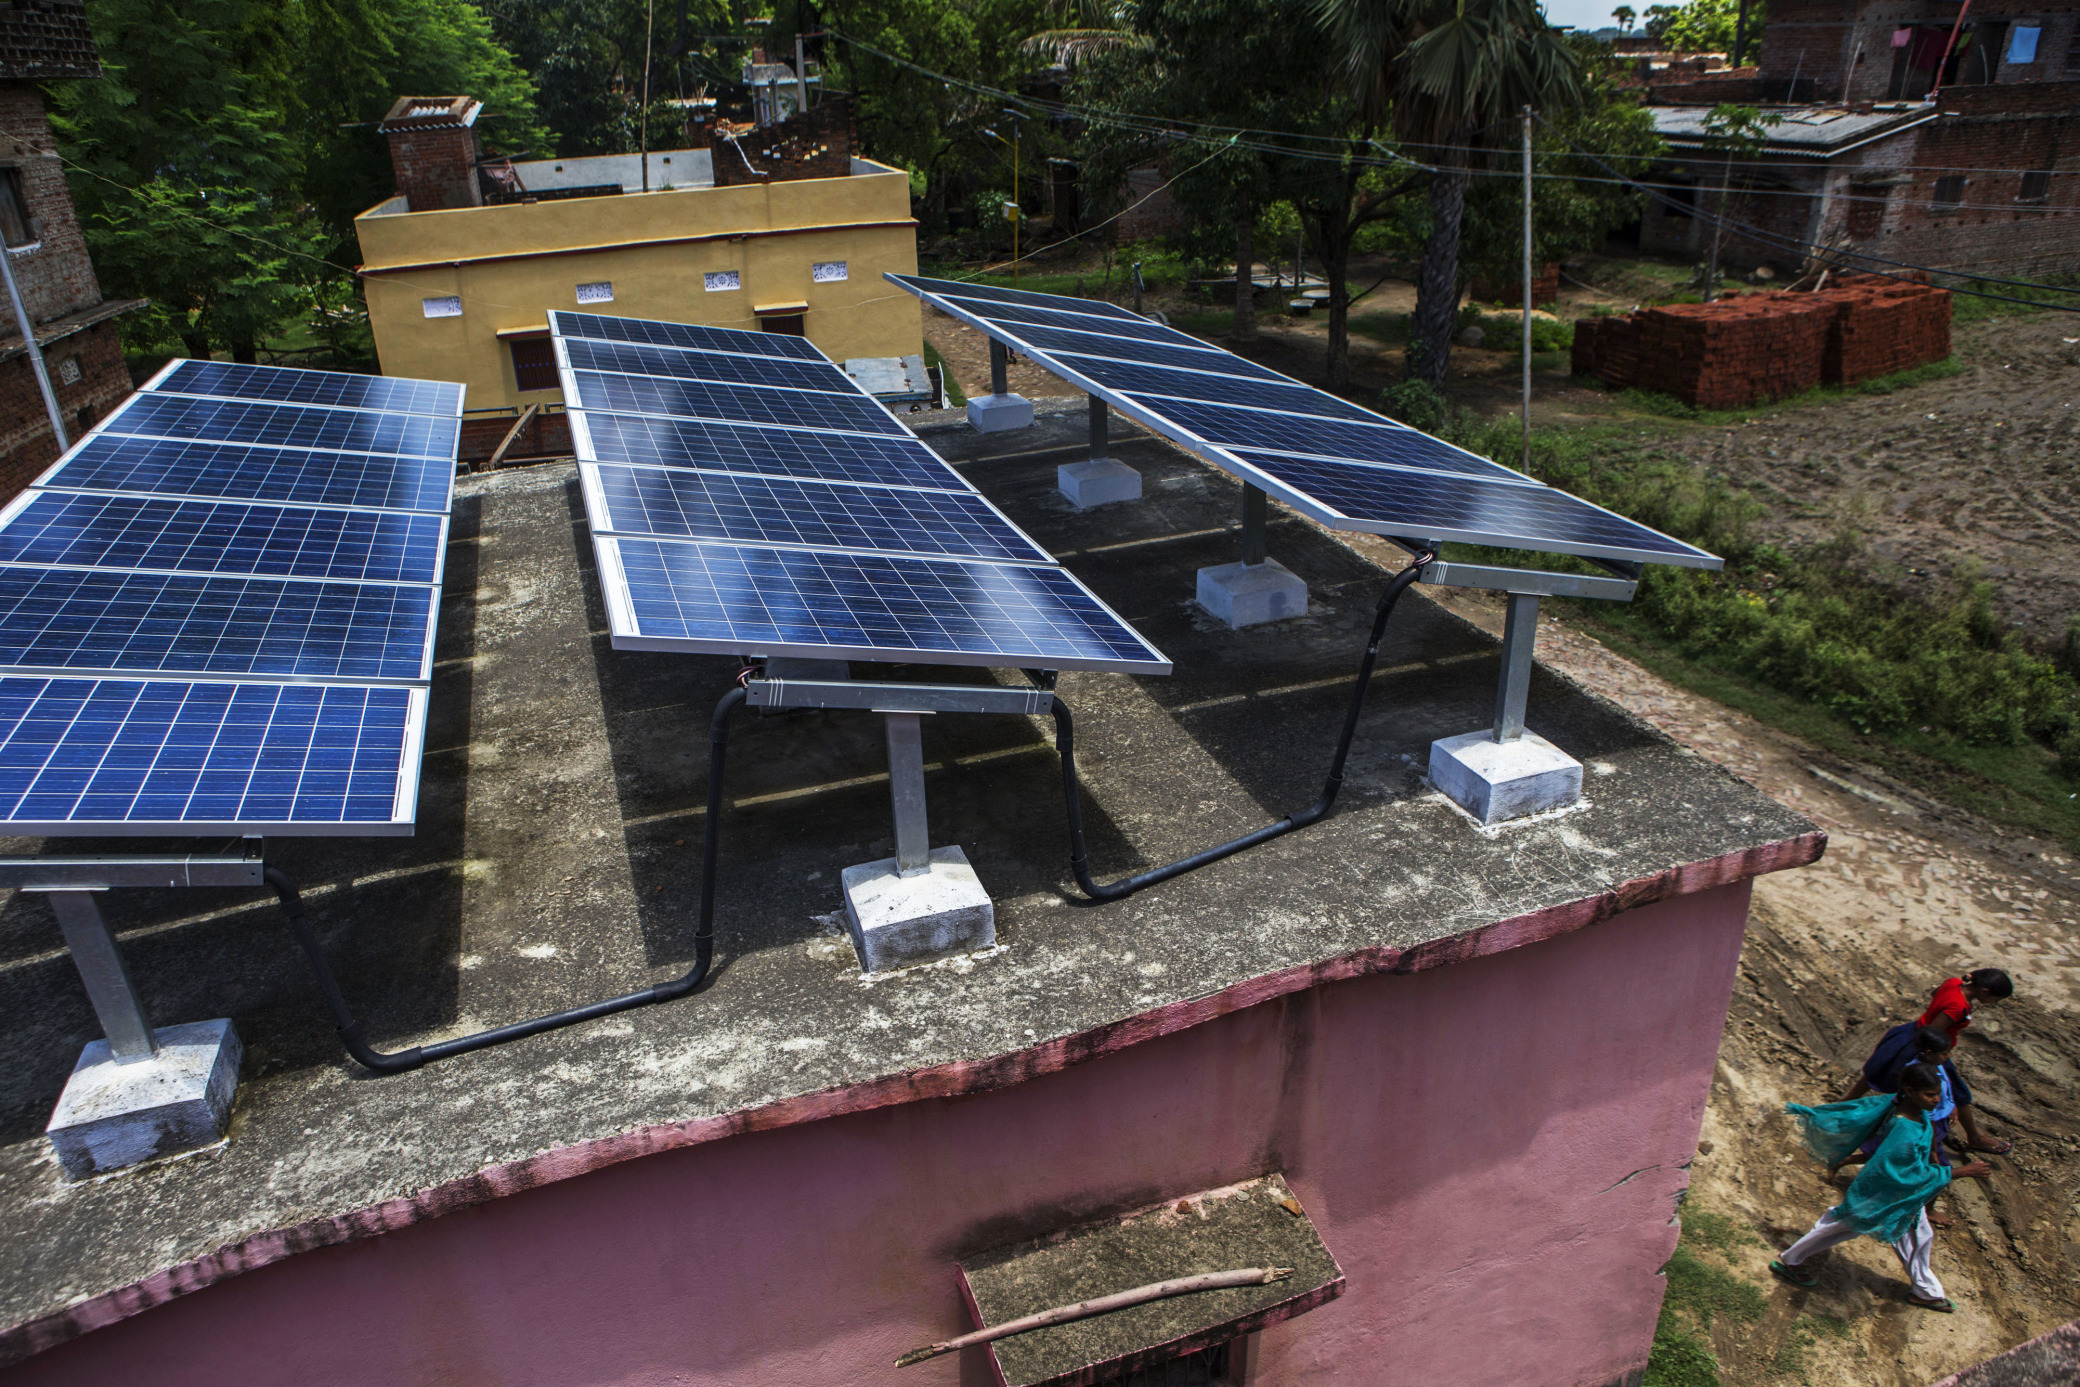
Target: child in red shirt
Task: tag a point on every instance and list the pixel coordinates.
(1950, 1011)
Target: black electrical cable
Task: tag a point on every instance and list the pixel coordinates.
(1065, 745)
(396, 1062)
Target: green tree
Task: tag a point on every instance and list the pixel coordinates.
(1625, 15)
(1736, 132)
(1707, 26)
(1450, 80)
(587, 59)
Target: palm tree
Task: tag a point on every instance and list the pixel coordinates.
(1449, 77)
(1625, 15)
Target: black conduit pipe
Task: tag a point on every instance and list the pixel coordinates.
(1065, 744)
(396, 1062)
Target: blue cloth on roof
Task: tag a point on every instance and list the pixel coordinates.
(1902, 1175)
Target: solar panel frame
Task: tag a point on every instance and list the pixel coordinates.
(819, 455)
(84, 519)
(702, 559)
(604, 328)
(206, 470)
(726, 506)
(297, 385)
(17, 753)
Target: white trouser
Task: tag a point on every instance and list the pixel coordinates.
(1913, 1251)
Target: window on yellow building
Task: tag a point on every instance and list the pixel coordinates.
(534, 363)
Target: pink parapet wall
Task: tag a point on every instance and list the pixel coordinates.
(1493, 1150)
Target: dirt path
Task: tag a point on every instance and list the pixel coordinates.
(1909, 892)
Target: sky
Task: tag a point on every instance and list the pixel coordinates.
(1585, 14)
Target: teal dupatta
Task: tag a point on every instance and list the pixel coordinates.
(1901, 1176)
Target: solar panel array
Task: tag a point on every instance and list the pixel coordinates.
(1329, 459)
(747, 497)
(217, 609)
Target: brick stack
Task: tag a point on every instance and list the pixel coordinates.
(1545, 287)
(1736, 351)
(1883, 325)
(1754, 347)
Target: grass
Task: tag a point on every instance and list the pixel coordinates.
(1698, 1292)
(1790, 1358)
(953, 388)
(1970, 308)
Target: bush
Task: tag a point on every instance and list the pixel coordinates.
(1418, 404)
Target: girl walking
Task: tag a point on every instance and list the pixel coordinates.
(1889, 1198)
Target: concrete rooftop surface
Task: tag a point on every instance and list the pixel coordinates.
(557, 861)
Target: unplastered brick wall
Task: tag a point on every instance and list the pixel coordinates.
(1755, 347)
(1545, 287)
(27, 445)
(546, 435)
(57, 278)
(817, 143)
(436, 167)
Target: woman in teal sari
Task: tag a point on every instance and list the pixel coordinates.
(1889, 1198)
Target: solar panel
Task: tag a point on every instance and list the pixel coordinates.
(169, 467)
(777, 511)
(1194, 385)
(273, 540)
(686, 364)
(334, 389)
(995, 293)
(714, 339)
(81, 529)
(800, 409)
(86, 619)
(1329, 438)
(830, 457)
(740, 599)
(125, 756)
(154, 414)
(1435, 506)
(1136, 329)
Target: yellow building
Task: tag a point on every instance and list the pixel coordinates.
(462, 266)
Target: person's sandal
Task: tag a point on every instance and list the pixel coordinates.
(1943, 1306)
(1796, 1276)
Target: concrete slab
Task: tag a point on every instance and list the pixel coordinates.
(899, 921)
(112, 1116)
(1100, 482)
(1495, 781)
(1000, 413)
(1252, 594)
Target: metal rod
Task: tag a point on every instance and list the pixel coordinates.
(1101, 428)
(31, 347)
(801, 79)
(999, 363)
(1527, 291)
(1256, 513)
(1519, 634)
(906, 792)
(100, 965)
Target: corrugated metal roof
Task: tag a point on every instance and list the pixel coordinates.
(1814, 132)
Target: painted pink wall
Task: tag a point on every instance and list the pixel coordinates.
(1462, 1137)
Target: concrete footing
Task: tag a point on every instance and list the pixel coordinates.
(1000, 413)
(1099, 482)
(116, 1115)
(1495, 781)
(898, 921)
(1248, 594)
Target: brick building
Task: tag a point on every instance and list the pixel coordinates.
(1915, 138)
(44, 41)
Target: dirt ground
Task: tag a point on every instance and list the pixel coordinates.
(1977, 467)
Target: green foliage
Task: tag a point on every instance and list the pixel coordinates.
(1702, 26)
(1972, 308)
(1679, 1358)
(1704, 1291)
(1418, 404)
(1703, 1228)
(586, 58)
(1790, 1358)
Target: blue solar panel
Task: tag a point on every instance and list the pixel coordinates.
(714, 366)
(156, 415)
(712, 339)
(992, 293)
(1190, 385)
(1073, 347)
(772, 510)
(112, 462)
(1134, 329)
(100, 531)
(1436, 505)
(733, 598)
(333, 389)
(831, 457)
(800, 409)
(1385, 443)
(167, 623)
(170, 756)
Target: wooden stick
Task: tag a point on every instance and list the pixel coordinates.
(511, 434)
(1119, 1300)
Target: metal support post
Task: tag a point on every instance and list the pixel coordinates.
(1101, 428)
(100, 965)
(906, 792)
(1256, 514)
(1519, 633)
(32, 350)
(999, 364)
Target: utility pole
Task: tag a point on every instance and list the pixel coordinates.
(649, 19)
(801, 79)
(43, 376)
(1527, 291)
(1017, 211)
